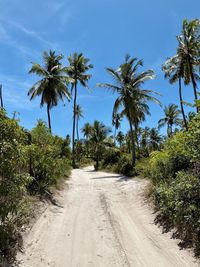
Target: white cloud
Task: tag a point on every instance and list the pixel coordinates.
(15, 93)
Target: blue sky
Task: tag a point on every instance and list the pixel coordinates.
(104, 31)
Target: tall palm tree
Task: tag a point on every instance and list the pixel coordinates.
(145, 136)
(99, 133)
(86, 130)
(189, 51)
(79, 114)
(116, 120)
(174, 71)
(171, 118)
(132, 99)
(77, 70)
(154, 139)
(120, 138)
(53, 85)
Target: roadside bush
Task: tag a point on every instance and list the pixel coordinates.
(13, 183)
(178, 205)
(166, 163)
(124, 165)
(111, 156)
(142, 167)
(49, 163)
(175, 172)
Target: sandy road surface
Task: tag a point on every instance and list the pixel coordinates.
(104, 222)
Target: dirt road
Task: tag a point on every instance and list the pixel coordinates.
(104, 222)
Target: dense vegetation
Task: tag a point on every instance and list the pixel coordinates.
(31, 163)
(35, 162)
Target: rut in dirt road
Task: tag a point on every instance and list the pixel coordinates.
(104, 222)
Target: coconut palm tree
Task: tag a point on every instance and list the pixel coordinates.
(77, 70)
(132, 99)
(116, 120)
(86, 130)
(53, 84)
(98, 136)
(171, 118)
(120, 138)
(79, 114)
(174, 71)
(189, 52)
(154, 139)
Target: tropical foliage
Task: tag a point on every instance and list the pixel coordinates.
(53, 85)
(34, 162)
(132, 99)
(30, 163)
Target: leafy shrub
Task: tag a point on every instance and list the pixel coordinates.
(142, 167)
(48, 160)
(175, 173)
(166, 163)
(192, 138)
(124, 166)
(111, 156)
(178, 203)
(13, 183)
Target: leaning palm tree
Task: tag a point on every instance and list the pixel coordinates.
(79, 114)
(171, 118)
(77, 70)
(174, 71)
(53, 85)
(189, 52)
(132, 99)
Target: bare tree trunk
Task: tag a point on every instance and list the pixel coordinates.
(49, 117)
(181, 102)
(1, 96)
(74, 125)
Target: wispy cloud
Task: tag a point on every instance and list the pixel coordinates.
(15, 93)
(8, 27)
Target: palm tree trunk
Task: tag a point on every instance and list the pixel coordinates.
(181, 102)
(49, 117)
(77, 129)
(137, 141)
(132, 142)
(115, 135)
(193, 83)
(74, 125)
(1, 96)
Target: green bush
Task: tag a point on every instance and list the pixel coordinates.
(49, 163)
(111, 156)
(175, 172)
(166, 163)
(124, 165)
(142, 167)
(178, 204)
(13, 183)
(37, 161)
